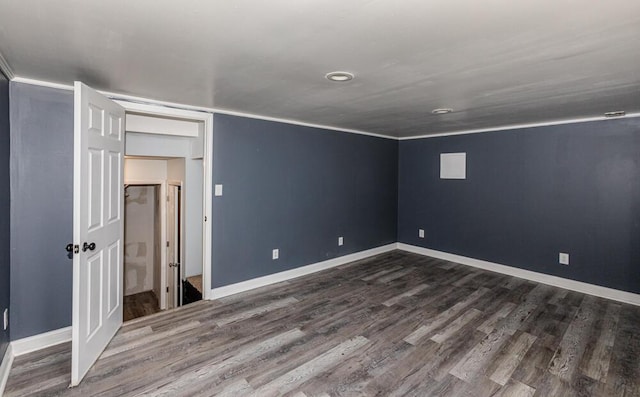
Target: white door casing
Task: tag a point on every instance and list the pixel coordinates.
(98, 212)
(152, 108)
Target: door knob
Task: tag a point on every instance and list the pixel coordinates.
(89, 247)
(72, 249)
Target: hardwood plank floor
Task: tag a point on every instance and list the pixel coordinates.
(393, 325)
(140, 305)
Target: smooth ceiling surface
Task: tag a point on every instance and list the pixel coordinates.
(496, 62)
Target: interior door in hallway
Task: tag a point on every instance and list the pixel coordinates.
(174, 270)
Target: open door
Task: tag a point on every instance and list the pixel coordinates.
(173, 248)
(98, 227)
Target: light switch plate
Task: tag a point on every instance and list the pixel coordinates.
(218, 190)
(275, 254)
(340, 240)
(6, 319)
(421, 233)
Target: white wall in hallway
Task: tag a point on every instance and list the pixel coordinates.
(139, 239)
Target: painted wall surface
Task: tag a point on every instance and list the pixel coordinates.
(5, 211)
(297, 189)
(42, 209)
(157, 145)
(175, 170)
(139, 239)
(529, 195)
(143, 170)
(183, 147)
(192, 236)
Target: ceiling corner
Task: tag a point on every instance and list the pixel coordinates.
(5, 68)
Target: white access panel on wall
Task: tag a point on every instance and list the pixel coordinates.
(453, 166)
(98, 227)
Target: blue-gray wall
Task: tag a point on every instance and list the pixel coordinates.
(297, 189)
(42, 205)
(5, 210)
(530, 194)
(295, 186)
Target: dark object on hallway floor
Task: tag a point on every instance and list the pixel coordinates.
(189, 293)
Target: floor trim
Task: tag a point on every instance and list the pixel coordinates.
(5, 368)
(41, 341)
(579, 286)
(243, 286)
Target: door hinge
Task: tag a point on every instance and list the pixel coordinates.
(167, 243)
(167, 290)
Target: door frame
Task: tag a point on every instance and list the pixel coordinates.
(163, 232)
(207, 184)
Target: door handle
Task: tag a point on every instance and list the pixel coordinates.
(174, 264)
(89, 247)
(72, 249)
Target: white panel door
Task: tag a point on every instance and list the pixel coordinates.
(172, 242)
(98, 227)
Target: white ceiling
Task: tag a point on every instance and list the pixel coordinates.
(496, 62)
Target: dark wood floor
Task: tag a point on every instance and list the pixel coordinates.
(397, 324)
(140, 305)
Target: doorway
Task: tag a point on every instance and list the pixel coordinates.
(166, 194)
(101, 126)
(142, 245)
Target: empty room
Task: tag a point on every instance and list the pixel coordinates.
(320, 198)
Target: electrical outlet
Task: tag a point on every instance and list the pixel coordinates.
(563, 258)
(340, 240)
(421, 233)
(6, 319)
(275, 254)
(217, 190)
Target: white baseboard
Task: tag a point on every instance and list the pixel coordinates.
(41, 341)
(243, 286)
(579, 286)
(5, 367)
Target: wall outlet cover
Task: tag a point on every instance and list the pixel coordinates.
(340, 240)
(275, 254)
(218, 190)
(6, 319)
(563, 258)
(421, 233)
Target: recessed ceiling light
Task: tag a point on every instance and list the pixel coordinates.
(339, 76)
(442, 111)
(618, 113)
